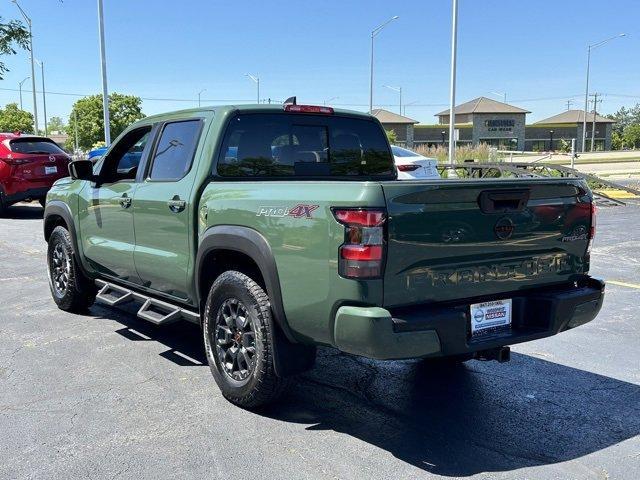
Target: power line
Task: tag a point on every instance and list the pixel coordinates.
(345, 104)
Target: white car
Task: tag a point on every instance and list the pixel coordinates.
(413, 166)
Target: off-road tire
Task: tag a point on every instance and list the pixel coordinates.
(262, 385)
(80, 292)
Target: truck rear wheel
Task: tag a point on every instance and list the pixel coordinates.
(71, 290)
(237, 337)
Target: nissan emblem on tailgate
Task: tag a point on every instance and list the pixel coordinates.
(504, 228)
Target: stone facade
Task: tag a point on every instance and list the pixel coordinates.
(506, 130)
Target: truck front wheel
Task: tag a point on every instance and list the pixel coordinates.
(238, 343)
(71, 290)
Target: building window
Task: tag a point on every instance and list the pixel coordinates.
(501, 143)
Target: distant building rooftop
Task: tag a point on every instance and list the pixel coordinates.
(385, 116)
(483, 105)
(574, 116)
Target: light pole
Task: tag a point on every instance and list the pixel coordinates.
(103, 67)
(33, 70)
(404, 107)
(200, 93)
(329, 100)
(443, 134)
(44, 97)
(256, 79)
(399, 90)
(551, 140)
(374, 33)
(20, 88)
(586, 92)
(452, 98)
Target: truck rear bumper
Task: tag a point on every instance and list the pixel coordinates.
(444, 330)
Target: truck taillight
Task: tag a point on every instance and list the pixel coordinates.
(362, 254)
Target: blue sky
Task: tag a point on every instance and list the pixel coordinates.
(532, 50)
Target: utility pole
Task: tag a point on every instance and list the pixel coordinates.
(452, 98)
(593, 125)
(33, 70)
(103, 67)
(569, 103)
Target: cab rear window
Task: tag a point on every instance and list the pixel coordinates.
(33, 146)
(288, 145)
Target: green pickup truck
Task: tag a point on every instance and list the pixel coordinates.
(281, 228)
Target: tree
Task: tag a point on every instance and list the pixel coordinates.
(12, 119)
(55, 124)
(631, 136)
(391, 136)
(617, 141)
(13, 35)
(123, 111)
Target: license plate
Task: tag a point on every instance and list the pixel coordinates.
(50, 170)
(489, 316)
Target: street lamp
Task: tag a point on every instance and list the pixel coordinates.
(586, 93)
(396, 89)
(103, 68)
(404, 107)
(550, 140)
(20, 88)
(200, 93)
(256, 79)
(33, 71)
(329, 100)
(44, 97)
(374, 33)
(443, 134)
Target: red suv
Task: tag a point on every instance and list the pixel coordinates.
(28, 167)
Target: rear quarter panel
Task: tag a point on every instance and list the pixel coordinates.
(305, 247)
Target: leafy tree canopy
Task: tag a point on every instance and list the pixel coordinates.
(13, 35)
(12, 119)
(123, 110)
(55, 124)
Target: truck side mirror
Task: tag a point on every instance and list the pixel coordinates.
(81, 170)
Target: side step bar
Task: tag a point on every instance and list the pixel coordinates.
(152, 309)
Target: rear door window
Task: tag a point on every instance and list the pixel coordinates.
(286, 145)
(34, 146)
(175, 150)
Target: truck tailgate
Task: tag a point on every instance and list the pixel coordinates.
(457, 239)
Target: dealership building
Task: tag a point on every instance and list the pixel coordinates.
(499, 125)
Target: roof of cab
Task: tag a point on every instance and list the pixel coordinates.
(247, 108)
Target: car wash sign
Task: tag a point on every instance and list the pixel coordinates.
(504, 125)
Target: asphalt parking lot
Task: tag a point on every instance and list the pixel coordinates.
(107, 395)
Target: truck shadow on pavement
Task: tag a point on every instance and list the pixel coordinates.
(452, 421)
(24, 211)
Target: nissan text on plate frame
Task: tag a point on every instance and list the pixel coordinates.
(412, 165)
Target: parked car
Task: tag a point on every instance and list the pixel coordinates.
(412, 165)
(28, 167)
(276, 251)
(95, 154)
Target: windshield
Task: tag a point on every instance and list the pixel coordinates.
(32, 145)
(403, 152)
(277, 145)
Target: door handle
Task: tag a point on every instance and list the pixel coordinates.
(176, 205)
(125, 201)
